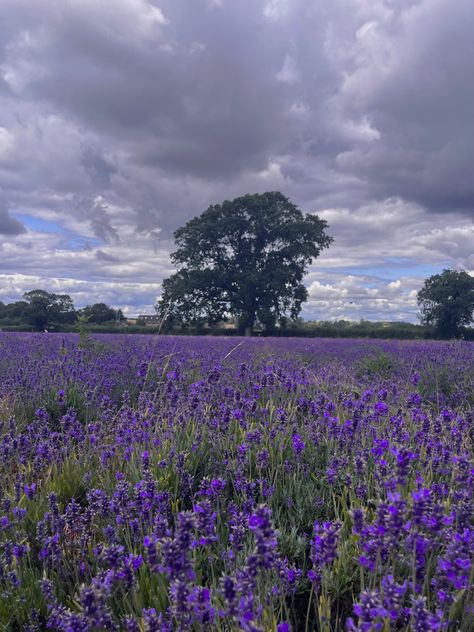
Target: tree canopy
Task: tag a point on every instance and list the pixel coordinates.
(447, 302)
(99, 313)
(43, 309)
(13, 311)
(244, 258)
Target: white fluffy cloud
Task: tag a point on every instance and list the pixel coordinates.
(351, 297)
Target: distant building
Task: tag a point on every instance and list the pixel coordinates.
(144, 319)
(222, 324)
(150, 319)
(226, 325)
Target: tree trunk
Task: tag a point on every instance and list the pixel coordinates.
(246, 324)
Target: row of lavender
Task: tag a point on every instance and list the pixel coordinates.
(159, 483)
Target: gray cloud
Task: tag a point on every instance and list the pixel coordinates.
(413, 84)
(95, 211)
(105, 256)
(378, 94)
(8, 224)
(98, 168)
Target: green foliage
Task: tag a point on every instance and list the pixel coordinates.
(44, 310)
(382, 365)
(360, 329)
(74, 398)
(84, 336)
(447, 302)
(99, 313)
(244, 258)
(436, 382)
(13, 312)
(14, 615)
(67, 481)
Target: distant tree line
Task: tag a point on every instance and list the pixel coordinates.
(40, 310)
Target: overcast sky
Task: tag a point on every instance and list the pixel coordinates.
(122, 119)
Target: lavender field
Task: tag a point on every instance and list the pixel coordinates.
(160, 483)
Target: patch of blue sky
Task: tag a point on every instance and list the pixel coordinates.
(40, 225)
(391, 270)
(79, 243)
(71, 240)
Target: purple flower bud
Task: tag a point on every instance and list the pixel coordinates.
(298, 444)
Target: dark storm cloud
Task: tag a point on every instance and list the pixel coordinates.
(421, 103)
(99, 169)
(184, 93)
(202, 93)
(8, 224)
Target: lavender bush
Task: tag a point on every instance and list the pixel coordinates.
(160, 483)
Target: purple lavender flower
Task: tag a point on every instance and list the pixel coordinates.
(404, 458)
(421, 619)
(370, 612)
(357, 521)
(265, 537)
(455, 566)
(298, 444)
(393, 595)
(205, 522)
(323, 549)
(203, 611)
(229, 593)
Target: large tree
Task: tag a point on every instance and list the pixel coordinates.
(244, 258)
(44, 309)
(447, 302)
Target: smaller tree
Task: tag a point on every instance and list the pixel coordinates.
(98, 313)
(13, 313)
(44, 309)
(447, 302)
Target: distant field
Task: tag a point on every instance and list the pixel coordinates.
(160, 483)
